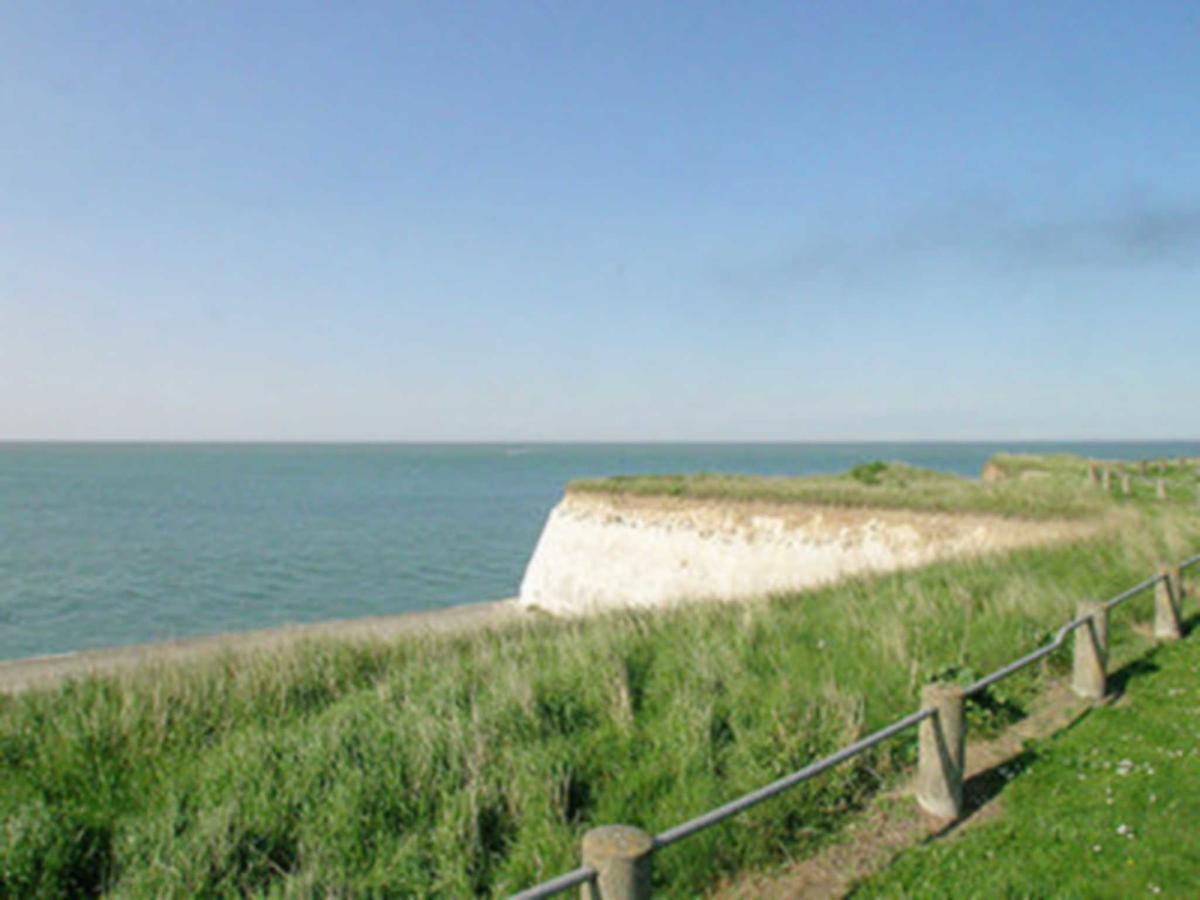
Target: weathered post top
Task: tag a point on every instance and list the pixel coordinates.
(621, 856)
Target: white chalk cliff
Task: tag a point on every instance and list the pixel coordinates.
(601, 551)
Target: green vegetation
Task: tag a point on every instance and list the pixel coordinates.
(1106, 809)
(472, 764)
(1033, 487)
(870, 473)
(1060, 492)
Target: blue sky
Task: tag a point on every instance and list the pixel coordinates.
(576, 221)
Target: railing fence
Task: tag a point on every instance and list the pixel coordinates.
(617, 859)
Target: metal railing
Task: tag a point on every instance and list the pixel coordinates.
(1170, 578)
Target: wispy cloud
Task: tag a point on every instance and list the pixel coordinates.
(986, 233)
(1130, 236)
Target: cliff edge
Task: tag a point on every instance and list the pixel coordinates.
(601, 551)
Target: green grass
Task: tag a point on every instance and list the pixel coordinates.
(459, 765)
(1032, 487)
(1062, 492)
(1106, 809)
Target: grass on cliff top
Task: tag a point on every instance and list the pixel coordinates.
(467, 765)
(1107, 809)
(1035, 487)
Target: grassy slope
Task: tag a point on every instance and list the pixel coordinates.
(1051, 487)
(473, 764)
(1107, 809)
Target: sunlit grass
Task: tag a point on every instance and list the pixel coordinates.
(1107, 809)
(1034, 487)
(893, 486)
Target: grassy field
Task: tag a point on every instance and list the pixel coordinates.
(1106, 809)
(452, 766)
(1031, 487)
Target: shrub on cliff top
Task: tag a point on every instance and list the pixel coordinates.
(869, 473)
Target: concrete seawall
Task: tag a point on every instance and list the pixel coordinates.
(601, 551)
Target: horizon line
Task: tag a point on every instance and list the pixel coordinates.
(466, 442)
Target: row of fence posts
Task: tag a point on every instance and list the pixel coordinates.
(621, 855)
(1102, 477)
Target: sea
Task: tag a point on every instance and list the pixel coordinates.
(105, 545)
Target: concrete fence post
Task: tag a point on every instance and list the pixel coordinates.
(1166, 606)
(1106, 480)
(1089, 678)
(1126, 489)
(1093, 474)
(1143, 467)
(941, 750)
(1161, 490)
(621, 856)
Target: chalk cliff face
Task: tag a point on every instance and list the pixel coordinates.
(602, 551)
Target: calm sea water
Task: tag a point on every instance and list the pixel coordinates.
(104, 545)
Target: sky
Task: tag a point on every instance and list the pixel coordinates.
(599, 221)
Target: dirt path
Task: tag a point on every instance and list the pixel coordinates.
(44, 671)
(893, 822)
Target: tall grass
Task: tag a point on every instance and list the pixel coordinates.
(460, 765)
